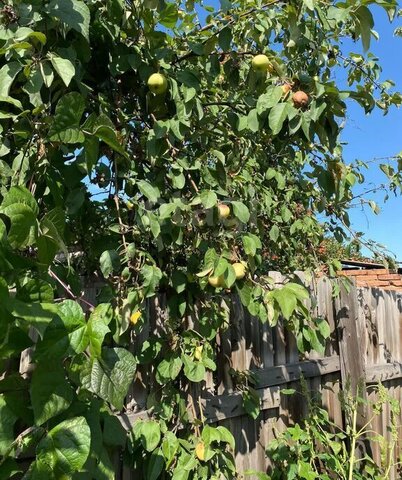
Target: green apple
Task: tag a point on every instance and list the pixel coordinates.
(223, 210)
(261, 63)
(157, 83)
(216, 282)
(240, 270)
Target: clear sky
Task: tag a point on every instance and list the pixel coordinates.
(375, 136)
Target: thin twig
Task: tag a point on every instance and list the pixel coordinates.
(68, 290)
(363, 70)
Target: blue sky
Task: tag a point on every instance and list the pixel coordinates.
(374, 136)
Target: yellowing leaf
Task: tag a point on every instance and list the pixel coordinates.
(198, 352)
(135, 317)
(200, 451)
(204, 273)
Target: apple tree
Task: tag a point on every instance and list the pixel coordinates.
(163, 149)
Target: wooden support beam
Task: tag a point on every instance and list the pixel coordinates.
(383, 373)
(222, 407)
(216, 408)
(291, 372)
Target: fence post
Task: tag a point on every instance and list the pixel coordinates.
(350, 345)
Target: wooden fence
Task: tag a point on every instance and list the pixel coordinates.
(365, 343)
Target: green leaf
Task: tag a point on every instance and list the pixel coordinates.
(36, 315)
(35, 290)
(152, 275)
(52, 228)
(253, 123)
(299, 291)
(109, 262)
(241, 212)
(63, 67)
(150, 435)
(251, 403)
(110, 376)
(22, 195)
(188, 78)
(7, 421)
(74, 13)
(169, 15)
(268, 100)
(194, 371)
(22, 220)
(7, 75)
(366, 24)
(47, 73)
(150, 191)
(251, 244)
(277, 116)
(51, 393)
(103, 128)
(288, 391)
(309, 4)
(66, 335)
(66, 121)
(65, 449)
(323, 327)
(170, 446)
(274, 233)
(286, 300)
(155, 465)
(226, 436)
(97, 327)
(208, 198)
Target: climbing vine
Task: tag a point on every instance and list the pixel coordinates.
(168, 150)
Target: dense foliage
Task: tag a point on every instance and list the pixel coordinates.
(191, 183)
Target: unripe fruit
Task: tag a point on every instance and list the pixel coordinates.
(300, 99)
(157, 83)
(216, 282)
(261, 63)
(129, 205)
(224, 211)
(286, 88)
(240, 270)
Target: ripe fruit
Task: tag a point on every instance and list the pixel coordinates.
(157, 83)
(135, 317)
(198, 352)
(216, 282)
(300, 99)
(240, 270)
(261, 63)
(286, 88)
(224, 211)
(200, 451)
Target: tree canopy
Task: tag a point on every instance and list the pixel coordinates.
(145, 143)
